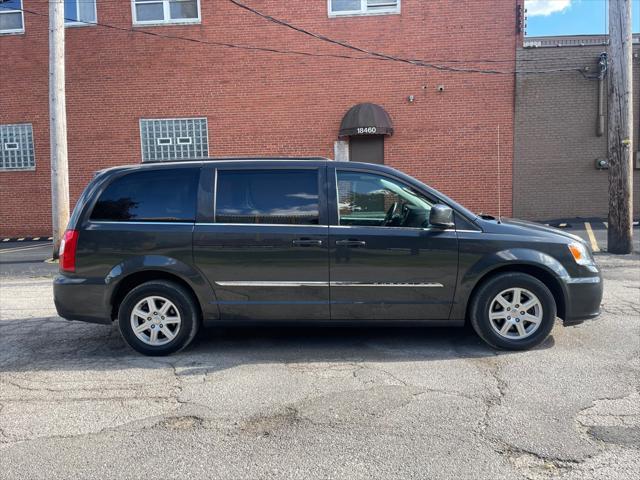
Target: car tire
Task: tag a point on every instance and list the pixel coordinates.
(495, 318)
(158, 318)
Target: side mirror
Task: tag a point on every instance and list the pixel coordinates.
(441, 216)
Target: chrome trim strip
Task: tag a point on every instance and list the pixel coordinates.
(132, 222)
(272, 284)
(583, 280)
(385, 227)
(387, 284)
(261, 225)
(261, 283)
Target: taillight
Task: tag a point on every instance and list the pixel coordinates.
(67, 252)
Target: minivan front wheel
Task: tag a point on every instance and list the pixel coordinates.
(513, 311)
(158, 318)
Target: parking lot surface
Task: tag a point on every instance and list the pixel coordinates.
(312, 402)
(593, 231)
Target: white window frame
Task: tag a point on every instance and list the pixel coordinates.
(166, 13)
(363, 10)
(69, 23)
(15, 31)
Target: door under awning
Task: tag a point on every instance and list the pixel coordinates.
(366, 119)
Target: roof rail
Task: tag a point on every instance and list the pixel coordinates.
(227, 159)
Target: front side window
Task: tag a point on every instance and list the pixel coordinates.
(79, 12)
(366, 199)
(363, 7)
(165, 11)
(164, 195)
(16, 147)
(11, 18)
(174, 139)
(267, 196)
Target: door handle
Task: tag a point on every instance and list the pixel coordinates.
(351, 243)
(306, 242)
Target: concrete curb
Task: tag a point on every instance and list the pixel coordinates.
(26, 239)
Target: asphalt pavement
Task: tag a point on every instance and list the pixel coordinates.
(593, 231)
(76, 402)
(26, 258)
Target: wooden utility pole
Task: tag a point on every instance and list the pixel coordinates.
(620, 128)
(58, 124)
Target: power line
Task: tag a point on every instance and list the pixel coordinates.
(420, 63)
(196, 40)
(368, 54)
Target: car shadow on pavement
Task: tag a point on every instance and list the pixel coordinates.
(80, 346)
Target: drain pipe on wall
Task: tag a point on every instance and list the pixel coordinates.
(601, 94)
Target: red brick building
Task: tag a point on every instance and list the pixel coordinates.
(242, 101)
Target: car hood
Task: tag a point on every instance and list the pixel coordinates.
(514, 226)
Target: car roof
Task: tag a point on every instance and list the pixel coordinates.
(272, 161)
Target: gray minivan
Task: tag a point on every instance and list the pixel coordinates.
(165, 248)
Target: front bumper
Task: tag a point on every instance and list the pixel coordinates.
(583, 299)
(80, 299)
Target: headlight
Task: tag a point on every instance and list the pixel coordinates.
(580, 253)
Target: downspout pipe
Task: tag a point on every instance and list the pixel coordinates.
(602, 63)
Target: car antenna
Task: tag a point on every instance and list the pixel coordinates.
(499, 181)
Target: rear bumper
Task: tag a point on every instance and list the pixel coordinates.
(80, 299)
(583, 299)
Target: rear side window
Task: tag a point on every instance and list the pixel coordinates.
(165, 195)
(268, 196)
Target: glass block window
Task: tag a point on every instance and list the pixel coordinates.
(363, 7)
(16, 147)
(11, 18)
(174, 139)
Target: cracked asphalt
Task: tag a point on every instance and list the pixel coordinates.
(75, 402)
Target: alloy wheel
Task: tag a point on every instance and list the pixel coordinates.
(515, 313)
(155, 320)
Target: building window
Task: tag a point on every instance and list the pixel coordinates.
(153, 12)
(174, 139)
(16, 147)
(79, 12)
(11, 17)
(363, 7)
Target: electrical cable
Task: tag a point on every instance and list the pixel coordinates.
(368, 54)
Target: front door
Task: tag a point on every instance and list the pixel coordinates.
(386, 263)
(367, 149)
(265, 251)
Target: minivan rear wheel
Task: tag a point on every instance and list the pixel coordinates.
(158, 318)
(513, 311)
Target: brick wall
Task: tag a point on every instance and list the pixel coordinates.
(270, 104)
(556, 145)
